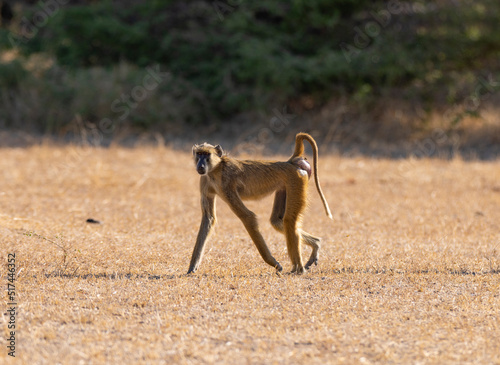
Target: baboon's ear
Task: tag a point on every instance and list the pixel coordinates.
(195, 147)
(219, 150)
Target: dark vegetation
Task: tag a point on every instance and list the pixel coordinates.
(69, 62)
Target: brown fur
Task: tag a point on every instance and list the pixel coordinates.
(236, 180)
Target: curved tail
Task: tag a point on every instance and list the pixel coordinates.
(299, 151)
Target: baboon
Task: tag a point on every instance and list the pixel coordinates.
(236, 180)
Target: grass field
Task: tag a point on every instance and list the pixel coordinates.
(409, 270)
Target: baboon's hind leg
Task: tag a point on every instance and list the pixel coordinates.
(279, 210)
(277, 222)
(295, 204)
(314, 242)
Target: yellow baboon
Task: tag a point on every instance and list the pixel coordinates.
(236, 180)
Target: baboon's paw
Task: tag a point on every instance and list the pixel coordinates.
(310, 262)
(298, 270)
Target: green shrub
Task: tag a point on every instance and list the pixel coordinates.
(12, 74)
(230, 56)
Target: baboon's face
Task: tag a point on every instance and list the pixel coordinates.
(202, 161)
(206, 157)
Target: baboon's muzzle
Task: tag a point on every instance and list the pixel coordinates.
(201, 168)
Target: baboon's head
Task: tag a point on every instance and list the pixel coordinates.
(206, 157)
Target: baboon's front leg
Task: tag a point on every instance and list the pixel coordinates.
(277, 222)
(252, 226)
(207, 223)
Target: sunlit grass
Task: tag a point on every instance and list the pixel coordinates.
(408, 271)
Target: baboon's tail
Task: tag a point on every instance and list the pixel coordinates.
(299, 151)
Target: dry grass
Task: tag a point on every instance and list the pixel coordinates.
(409, 271)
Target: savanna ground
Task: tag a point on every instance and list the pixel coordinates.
(409, 270)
